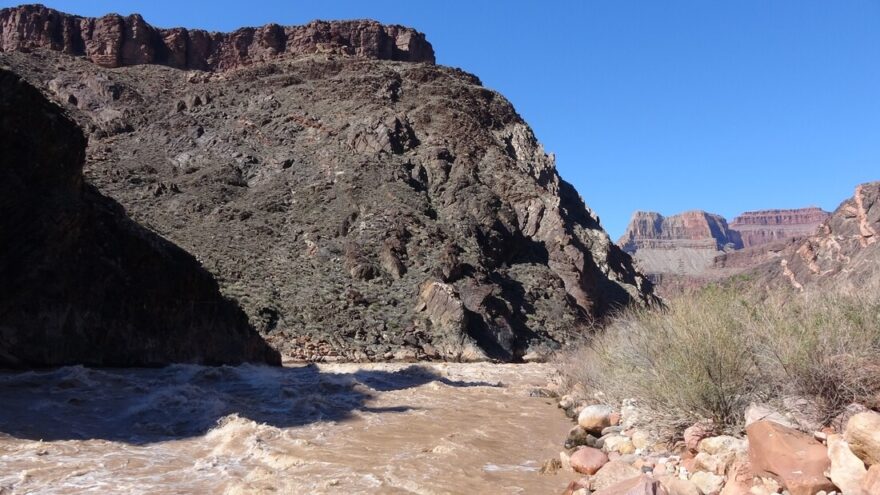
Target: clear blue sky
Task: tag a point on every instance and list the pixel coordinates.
(665, 106)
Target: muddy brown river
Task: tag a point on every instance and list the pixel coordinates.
(310, 429)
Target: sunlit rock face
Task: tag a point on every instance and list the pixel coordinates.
(357, 200)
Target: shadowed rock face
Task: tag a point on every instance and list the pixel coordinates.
(356, 207)
(83, 284)
(116, 41)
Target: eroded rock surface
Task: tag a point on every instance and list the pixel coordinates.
(355, 205)
(691, 249)
(845, 251)
(83, 284)
(117, 41)
(757, 228)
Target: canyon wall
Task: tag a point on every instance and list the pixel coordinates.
(82, 283)
(765, 226)
(358, 203)
(117, 41)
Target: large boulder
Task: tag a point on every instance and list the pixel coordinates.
(847, 471)
(594, 418)
(863, 435)
(82, 283)
(793, 458)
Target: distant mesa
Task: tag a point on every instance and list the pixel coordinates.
(760, 227)
(693, 246)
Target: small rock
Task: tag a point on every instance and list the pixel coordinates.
(550, 466)
(576, 487)
(588, 460)
(619, 444)
(578, 436)
(723, 444)
(677, 486)
(717, 464)
(863, 435)
(614, 418)
(847, 471)
(708, 483)
(640, 439)
(611, 429)
(595, 418)
(641, 485)
(694, 434)
(565, 462)
(612, 473)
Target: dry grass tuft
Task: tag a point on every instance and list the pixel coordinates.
(712, 353)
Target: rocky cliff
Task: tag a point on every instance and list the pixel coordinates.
(844, 253)
(686, 243)
(116, 41)
(355, 205)
(756, 228)
(83, 284)
(692, 248)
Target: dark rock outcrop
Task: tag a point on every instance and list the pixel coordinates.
(356, 207)
(116, 41)
(83, 284)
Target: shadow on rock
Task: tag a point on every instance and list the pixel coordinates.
(140, 406)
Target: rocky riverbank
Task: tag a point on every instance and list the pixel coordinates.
(617, 453)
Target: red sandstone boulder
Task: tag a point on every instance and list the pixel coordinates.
(588, 460)
(794, 458)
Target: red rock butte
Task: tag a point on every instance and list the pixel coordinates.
(116, 41)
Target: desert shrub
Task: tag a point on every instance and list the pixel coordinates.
(823, 347)
(708, 355)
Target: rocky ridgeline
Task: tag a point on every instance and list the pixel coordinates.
(692, 248)
(618, 454)
(117, 41)
(756, 228)
(358, 202)
(82, 283)
(843, 254)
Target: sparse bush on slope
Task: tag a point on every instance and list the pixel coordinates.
(711, 353)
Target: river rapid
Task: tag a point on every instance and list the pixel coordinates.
(432, 428)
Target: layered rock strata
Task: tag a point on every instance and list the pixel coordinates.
(757, 228)
(683, 244)
(117, 41)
